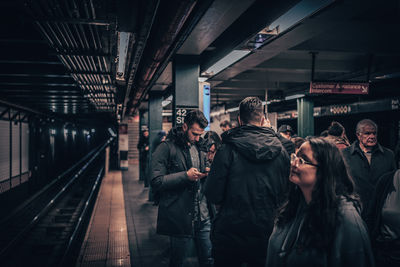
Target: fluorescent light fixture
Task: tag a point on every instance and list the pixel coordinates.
(387, 76)
(203, 79)
(232, 109)
(290, 97)
(112, 133)
(167, 101)
(226, 61)
(167, 113)
(123, 43)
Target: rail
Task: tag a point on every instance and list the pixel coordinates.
(92, 155)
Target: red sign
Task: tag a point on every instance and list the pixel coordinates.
(355, 88)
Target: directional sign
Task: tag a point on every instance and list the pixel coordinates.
(356, 88)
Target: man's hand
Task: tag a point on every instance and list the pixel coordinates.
(194, 174)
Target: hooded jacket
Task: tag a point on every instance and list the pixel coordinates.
(247, 179)
(174, 191)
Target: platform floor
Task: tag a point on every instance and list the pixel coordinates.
(122, 230)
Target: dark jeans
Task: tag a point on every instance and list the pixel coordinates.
(235, 257)
(179, 246)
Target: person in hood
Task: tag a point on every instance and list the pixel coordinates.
(178, 174)
(337, 135)
(319, 224)
(247, 180)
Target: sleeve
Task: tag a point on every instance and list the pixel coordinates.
(392, 161)
(161, 179)
(140, 144)
(352, 246)
(217, 178)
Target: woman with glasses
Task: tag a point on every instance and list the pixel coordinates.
(320, 223)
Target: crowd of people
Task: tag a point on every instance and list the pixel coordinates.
(262, 197)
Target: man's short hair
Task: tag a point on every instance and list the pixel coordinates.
(335, 129)
(251, 109)
(361, 124)
(284, 128)
(196, 116)
(225, 123)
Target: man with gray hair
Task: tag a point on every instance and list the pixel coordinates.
(367, 160)
(247, 180)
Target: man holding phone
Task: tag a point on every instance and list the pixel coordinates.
(178, 174)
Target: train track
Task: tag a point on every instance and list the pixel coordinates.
(48, 230)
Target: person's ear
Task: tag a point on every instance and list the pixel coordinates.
(262, 120)
(185, 127)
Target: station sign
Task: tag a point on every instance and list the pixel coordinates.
(331, 87)
(180, 114)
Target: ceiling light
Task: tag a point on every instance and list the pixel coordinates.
(291, 97)
(123, 43)
(167, 101)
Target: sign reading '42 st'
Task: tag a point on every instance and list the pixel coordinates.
(180, 114)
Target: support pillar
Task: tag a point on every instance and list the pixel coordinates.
(186, 87)
(155, 126)
(305, 119)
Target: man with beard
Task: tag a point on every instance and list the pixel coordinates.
(248, 178)
(178, 172)
(367, 161)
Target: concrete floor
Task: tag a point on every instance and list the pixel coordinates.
(147, 248)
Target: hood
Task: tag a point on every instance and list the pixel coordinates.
(253, 142)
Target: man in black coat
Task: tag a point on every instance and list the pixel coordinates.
(178, 172)
(367, 160)
(143, 147)
(248, 178)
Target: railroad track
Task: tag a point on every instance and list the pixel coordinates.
(48, 230)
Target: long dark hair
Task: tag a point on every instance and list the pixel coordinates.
(333, 182)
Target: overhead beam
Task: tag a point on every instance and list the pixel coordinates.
(96, 22)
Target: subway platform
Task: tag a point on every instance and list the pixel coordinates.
(122, 229)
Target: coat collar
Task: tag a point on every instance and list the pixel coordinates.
(355, 147)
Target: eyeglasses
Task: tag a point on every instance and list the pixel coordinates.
(300, 161)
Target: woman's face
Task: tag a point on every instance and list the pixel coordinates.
(303, 171)
(211, 153)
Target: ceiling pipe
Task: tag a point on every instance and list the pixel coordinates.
(147, 23)
(167, 29)
(172, 38)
